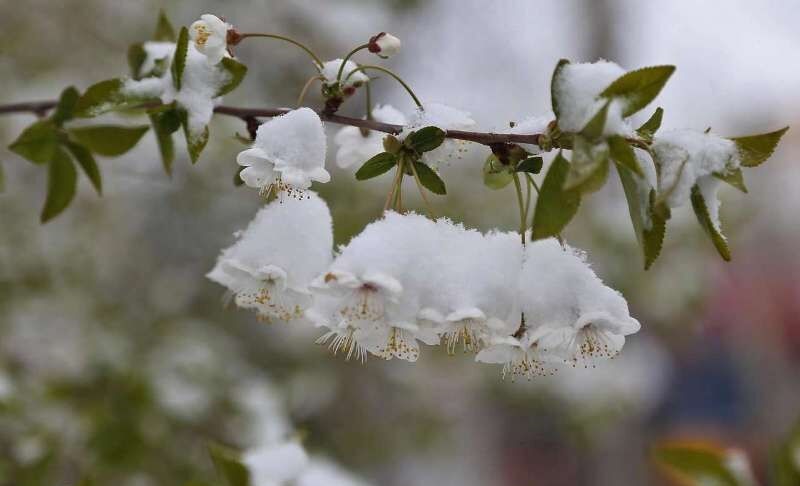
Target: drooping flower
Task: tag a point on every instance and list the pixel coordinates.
(570, 314)
(210, 37)
(446, 118)
(357, 146)
(275, 464)
(269, 268)
(384, 45)
(519, 356)
(288, 153)
(330, 70)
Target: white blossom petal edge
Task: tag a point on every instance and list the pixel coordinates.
(210, 37)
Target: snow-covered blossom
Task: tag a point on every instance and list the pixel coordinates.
(446, 118)
(570, 315)
(210, 37)
(356, 147)
(288, 153)
(275, 464)
(330, 70)
(384, 45)
(576, 90)
(269, 268)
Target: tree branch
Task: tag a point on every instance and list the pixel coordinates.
(246, 114)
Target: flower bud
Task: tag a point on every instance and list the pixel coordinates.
(384, 45)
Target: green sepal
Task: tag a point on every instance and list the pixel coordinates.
(638, 88)
(237, 72)
(622, 152)
(430, 179)
(179, 59)
(425, 139)
(377, 165)
(65, 109)
(649, 128)
(229, 466)
(641, 205)
(555, 206)
(755, 149)
(553, 98)
(38, 142)
(733, 178)
(85, 159)
(704, 217)
(62, 179)
(108, 140)
(532, 165)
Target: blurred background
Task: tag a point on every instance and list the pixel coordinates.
(118, 360)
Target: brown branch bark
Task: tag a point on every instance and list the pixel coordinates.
(486, 138)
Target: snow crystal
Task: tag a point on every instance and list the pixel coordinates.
(357, 148)
(330, 70)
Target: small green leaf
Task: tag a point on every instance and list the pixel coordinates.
(555, 207)
(164, 30)
(62, 180)
(195, 142)
(532, 165)
(638, 88)
(136, 58)
(101, 98)
(425, 139)
(66, 105)
(228, 465)
(38, 142)
(430, 179)
(622, 152)
(704, 217)
(649, 223)
(755, 149)
(165, 123)
(236, 70)
(734, 178)
(495, 174)
(85, 159)
(108, 140)
(594, 128)
(553, 98)
(696, 463)
(179, 59)
(589, 168)
(377, 165)
(651, 126)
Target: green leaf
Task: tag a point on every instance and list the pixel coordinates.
(377, 165)
(165, 123)
(649, 223)
(704, 217)
(179, 60)
(38, 142)
(594, 128)
(85, 159)
(164, 30)
(228, 465)
(62, 180)
(755, 149)
(101, 98)
(555, 207)
(108, 140)
(196, 140)
(236, 70)
(496, 175)
(136, 58)
(430, 179)
(622, 152)
(553, 98)
(733, 177)
(66, 105)
(651, 126)
(425, 139)
(532, 165)
(638, 88)
(696, 463)
(589, 168)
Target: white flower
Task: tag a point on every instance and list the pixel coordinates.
(570, 315)
(446, 118)
(355, 147)
(288, 153)
(269, 268)
(330, 70)
(519, 356)
(384, 45)
(275, 464)
(210, 36)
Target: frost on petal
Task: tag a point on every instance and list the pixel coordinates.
(275, 464)
(571, 316)
(446, 118)
(356, 147)
(577, 91)
(687, 157)
(330, 70)
(269, 268)
(294, 146)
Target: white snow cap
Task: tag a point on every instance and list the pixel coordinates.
(355, 148)
(444, 117)
(156, 51)
(210, 37)
(577, 88)
(689, 157)
(269, 268)
(275, 464)
(330, 70)
(288, 153)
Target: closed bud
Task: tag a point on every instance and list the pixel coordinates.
(384, 45)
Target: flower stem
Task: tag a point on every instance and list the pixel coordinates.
(306, 86)
(522, 216)
(422, 191)
(317, 61)
(396, 77)
(347, 58)
(395, 182)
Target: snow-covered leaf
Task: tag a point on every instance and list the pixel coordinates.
(62, 180)
(236, 70)
(101, 98)
(701, 210)
(638, 88)
(649, 223)
(733, 177)
(553, 98)
(108, 140)
(179, 61)
(622, 152)
(376, 166)
(589, 167)
(594, 128)
(555, 206)
(755, 149)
